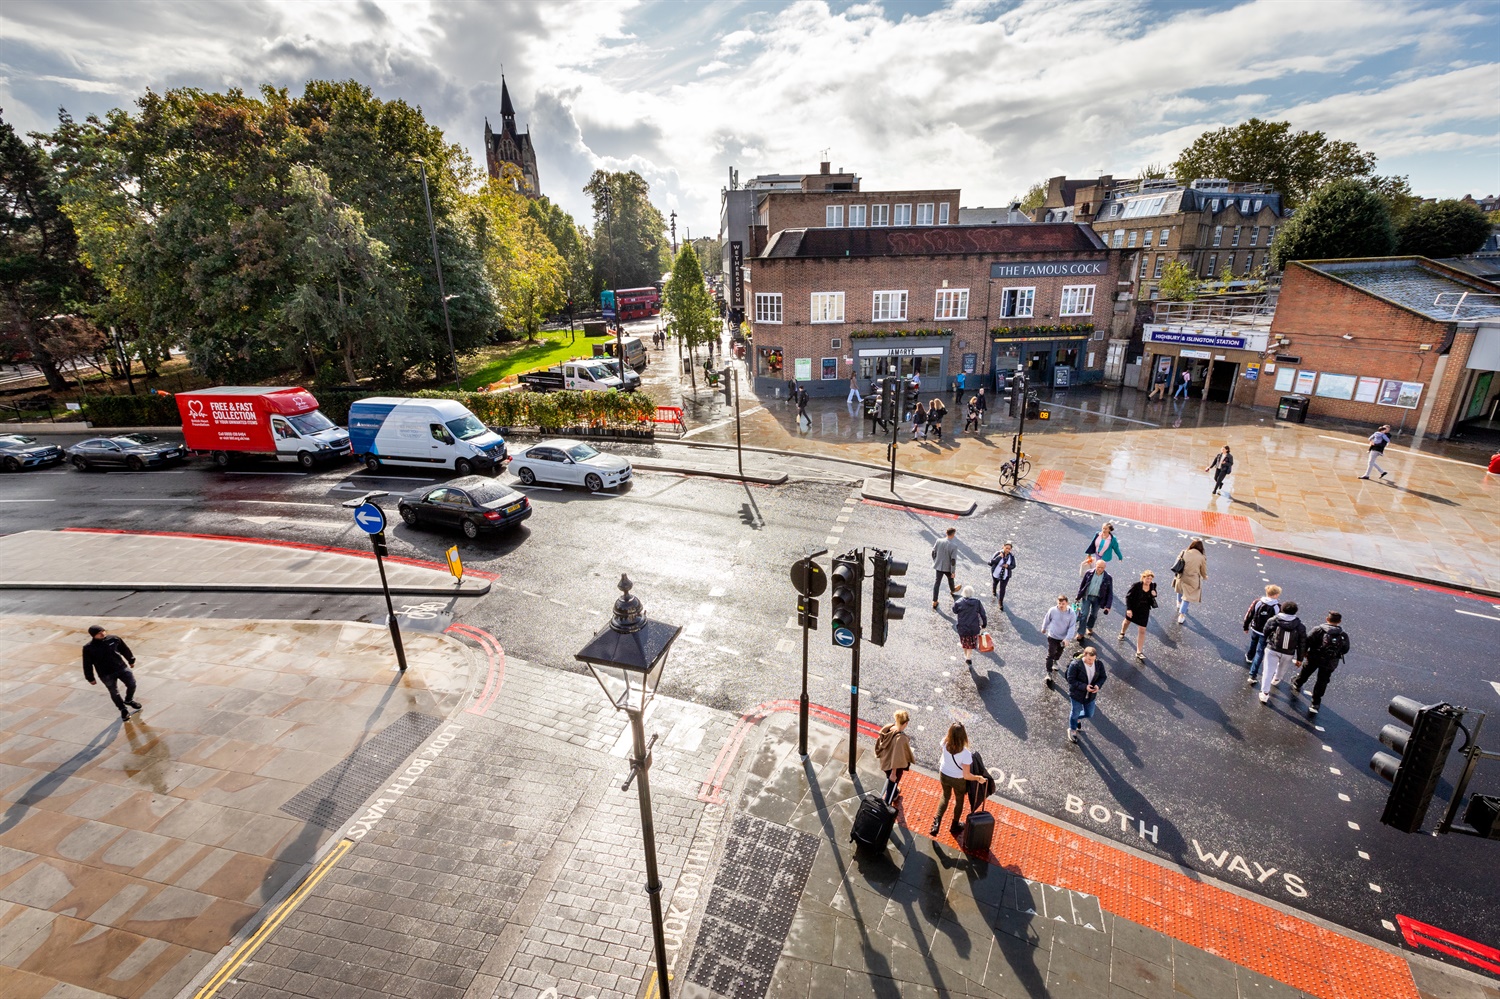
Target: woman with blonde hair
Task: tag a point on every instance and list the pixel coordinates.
(955, 772)
(893, 750)
(1138, 604)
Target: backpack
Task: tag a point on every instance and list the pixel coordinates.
(1332, 642)
(1262, 615)
(1285, 638)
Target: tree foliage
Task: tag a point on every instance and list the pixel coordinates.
(573, 245)
(526, 270)
(1442, 229)
(1034, 198)
(630, 244)
(1293, 163)
(1178, 282)
(693, 315)
(1343, 219)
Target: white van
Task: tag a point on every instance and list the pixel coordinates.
(431, 432)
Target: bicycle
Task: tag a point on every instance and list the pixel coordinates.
(1014, 470)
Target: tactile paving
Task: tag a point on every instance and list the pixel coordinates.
(330, 800)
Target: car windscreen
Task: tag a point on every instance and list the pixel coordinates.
(466, 427)
(598, 372)
(310, 423)
(137, 439)
(16, 439)
(581, 452)
(489, 492)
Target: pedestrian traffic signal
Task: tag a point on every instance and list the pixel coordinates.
(845, 590)
(807, 613)
(1421, 752)
(1012, 389)
(883, 592)
(890, 397)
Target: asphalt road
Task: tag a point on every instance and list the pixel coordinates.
(1182, 761)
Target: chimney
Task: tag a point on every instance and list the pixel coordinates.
(823, 167)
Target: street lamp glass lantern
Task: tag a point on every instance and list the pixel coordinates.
(628, 654)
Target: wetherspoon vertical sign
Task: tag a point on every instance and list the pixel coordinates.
(1048, 268)
(736, 275)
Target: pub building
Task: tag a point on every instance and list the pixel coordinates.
(935, 302)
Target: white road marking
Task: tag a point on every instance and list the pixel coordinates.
(560, 603)
(785, 645)
(1327, 749)
(717, 591)
(530, 594)
(832, 539)
(1388, 925)
(1374, 886)
(904, 704)
(1320, 728)
(694, 628)
(1343, 796)
(30, 501)
(266, 473)
(1336, 771)
(109, 499)
(1496, 685)
(315, 506)
(727, 650)
(1487, 617)
(690, 638)
(1354, 826)
(1415, 454)
(550, 489)
(1362, 855)
(746, 542)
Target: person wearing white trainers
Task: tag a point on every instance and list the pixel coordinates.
(1378, 440)
(1085, 676)
(1187, 581)
(1286, 646)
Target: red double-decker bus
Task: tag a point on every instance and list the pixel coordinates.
(637, 303)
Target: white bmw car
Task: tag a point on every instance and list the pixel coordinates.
(570, 463)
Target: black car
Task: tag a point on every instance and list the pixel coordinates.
(17, 451)
(473, 503)
(132, 451)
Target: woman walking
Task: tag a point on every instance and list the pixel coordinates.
(936, 410)
(968, 621)
(1188, 582)
(955, 773)
(1221, 466)
(1139, 600)
(971, 420)
(1105, 544)
(893, 750)
(918, 422)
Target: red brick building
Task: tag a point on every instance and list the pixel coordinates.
(1399, 340)
(826, 302)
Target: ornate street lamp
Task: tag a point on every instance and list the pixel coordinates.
(627, 657)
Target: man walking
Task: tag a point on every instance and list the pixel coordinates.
(1085, 676)
(1058, 625)
(944, 561)
(1286, 646)
(1221, 466)
(802, 408)
(1262, 609)
(111, 659)
(1378, 440)
(854, 396)
(1327, 645)
(1095, 591)
(1002, 564)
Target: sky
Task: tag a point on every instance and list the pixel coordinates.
(987, 97)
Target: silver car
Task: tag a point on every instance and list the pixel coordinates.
(570, 463)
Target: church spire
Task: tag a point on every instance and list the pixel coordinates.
(507, 110)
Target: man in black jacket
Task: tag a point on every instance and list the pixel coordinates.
(1085, 676)
(110, 658)
(1327, 644)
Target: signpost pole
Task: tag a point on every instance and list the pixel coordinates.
(370, 518)
(739, 451)
(899, 400)
(802, 706)
(378, 540)
(854, 698)
(809, 580)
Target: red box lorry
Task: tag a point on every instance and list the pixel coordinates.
(232, 422)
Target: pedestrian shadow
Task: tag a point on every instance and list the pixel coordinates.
(1199, 703)
(1116, 737)
(1254, 507)
(49, 783)
(1024, 629)
(1166, 836)
(1429, 497)
(994, 692)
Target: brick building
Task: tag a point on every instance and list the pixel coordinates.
(1399, 340)
(509, 145)
(825, 302)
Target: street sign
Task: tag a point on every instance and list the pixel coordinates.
(844, 637)
(455, 564)
(608, 313)
(808, 578)
(369, 518)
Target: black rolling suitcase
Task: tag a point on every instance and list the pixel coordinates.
(979, 828)
(873, 823)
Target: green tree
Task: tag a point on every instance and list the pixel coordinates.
(43, 279)
(1293, 163)
(693, 315)
(1034, 198)
(573, 245)
(1397, 192)
(526, 270)
(1442, 229)
(630, 241)
(1344, 219)
(1178, 282)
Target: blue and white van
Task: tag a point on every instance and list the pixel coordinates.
(416, 432)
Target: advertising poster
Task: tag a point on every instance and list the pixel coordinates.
(1402, 395)
(802, 369)
(1336, 386)
(1367, 390)
(1305, 381)
(971, 363)
(1284, 379)
(830, 368)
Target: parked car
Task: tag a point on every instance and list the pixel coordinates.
(570, 463)
(133, 451)
(17, 451)
(472, 503)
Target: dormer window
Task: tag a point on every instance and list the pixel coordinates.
(1213, 205)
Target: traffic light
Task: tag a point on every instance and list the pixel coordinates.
(725, 387)
(883, 592)
(844, 590)
(1421, 752)
(807, 613)
(1012, 389)
(890, 395)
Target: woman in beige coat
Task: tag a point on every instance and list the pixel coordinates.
(1189, 582)
(893, 750)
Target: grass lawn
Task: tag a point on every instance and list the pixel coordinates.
(551, 347)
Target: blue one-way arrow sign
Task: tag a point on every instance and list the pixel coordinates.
(369, 518)
(844, 637)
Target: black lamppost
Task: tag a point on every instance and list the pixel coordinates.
(627, 657)
(437, 261)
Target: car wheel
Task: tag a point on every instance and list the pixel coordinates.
(81, 464)
(471, 529)
(593, 482)
(12, 465)
(372, 463)
(527, 476)
(306, 459)
(221, 459)
(409, 514)
(134, 463)
(463, 466)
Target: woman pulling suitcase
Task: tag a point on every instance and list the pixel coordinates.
(955, 772)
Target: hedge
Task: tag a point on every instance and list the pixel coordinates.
(131, 410)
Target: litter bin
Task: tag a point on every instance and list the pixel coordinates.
(1293, 408)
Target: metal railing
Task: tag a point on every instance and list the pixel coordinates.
(1483, 310)
(1257, 313)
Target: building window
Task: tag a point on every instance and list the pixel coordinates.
(1213, 261)
(1229, 263)
(768, 308)
(1257, 205)
(1213, 205)
(827, 307)
(836, 344)
(889, 307)
(924, 214)
(1161, 259)
(903, 215)
(1146, 238)
(1164, 234)
(1245, 206)
(1270, 234)
(1234, 237)
(1077, 300)
(1016, 303)
(1119, 239)
(856, 216)
(1131, 240)
(833, 216)
(952, 303)
(1145, 263)
(1254, 235)
(880, 214)
(1218, 235)
(943, 213)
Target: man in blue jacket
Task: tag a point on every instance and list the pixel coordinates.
(1096, 591)
(1085, 676)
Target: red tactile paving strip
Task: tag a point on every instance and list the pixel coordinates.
(1319, 961)
(1231, 527)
